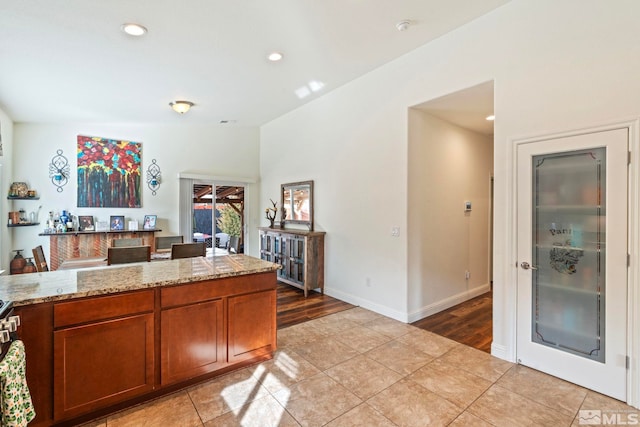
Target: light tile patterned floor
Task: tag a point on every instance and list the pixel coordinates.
(357, 368)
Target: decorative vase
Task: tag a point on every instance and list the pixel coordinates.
(271, 223)
(17, 263)
(29, 267)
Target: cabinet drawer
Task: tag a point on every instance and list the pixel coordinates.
(213, 289)
(100, 308)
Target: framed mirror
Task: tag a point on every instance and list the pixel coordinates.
(297, 201)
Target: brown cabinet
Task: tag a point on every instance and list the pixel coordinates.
(193, 341)
(101, 353)
(103, 356)
(247, 341)
(299, 252)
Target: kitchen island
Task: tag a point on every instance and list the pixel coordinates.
(102, 339)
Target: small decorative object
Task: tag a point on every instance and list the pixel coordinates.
(133, 225)
(34, 216)
(116, 222)
(149, 222)
(19, 190)
(31, 193)
(29, 266)
(153, 176)
(59, 171)
(283, 217)
(85, 223)
(64, 218)
(17, 263)
(270, 213)
(14, 217)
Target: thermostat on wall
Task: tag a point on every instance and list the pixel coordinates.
(467, 206)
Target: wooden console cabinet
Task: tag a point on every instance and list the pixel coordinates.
(299, 252)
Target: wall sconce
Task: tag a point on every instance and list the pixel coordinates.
(181, 106)
(153, 176)
(59, 171)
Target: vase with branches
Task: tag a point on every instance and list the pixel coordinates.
(270, 213)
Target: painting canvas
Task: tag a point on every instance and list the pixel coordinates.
(109, 173)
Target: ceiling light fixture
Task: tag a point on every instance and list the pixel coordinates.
(134, 29)
(491, 118)
(403, 25)
(181, 106)
(275, 56)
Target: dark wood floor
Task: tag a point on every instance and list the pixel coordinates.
(469, 323)
(294, 308)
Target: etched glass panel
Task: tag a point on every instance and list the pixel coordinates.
(569, 252)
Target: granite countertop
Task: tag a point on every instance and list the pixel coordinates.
(34, 288)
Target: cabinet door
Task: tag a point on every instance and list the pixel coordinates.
(103, 363)
(192, 338)
(245, 312)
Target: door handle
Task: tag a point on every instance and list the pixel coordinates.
(525, 265)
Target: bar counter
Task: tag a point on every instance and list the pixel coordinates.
(34, 288)
(102, 339)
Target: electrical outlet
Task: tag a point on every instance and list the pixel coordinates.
(467, 275)
(395, 231)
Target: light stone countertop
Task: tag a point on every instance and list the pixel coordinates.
(34, 288)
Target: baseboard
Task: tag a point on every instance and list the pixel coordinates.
(365, 303)
(501, 352)
(438, 306)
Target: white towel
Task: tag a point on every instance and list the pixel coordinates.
(17, 409)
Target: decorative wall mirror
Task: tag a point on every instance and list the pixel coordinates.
(297, 201)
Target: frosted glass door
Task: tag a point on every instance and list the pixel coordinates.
(568, 252)
(572, 202)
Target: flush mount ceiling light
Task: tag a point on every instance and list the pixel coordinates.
(181, 106)
(403, 25)
(275, 56)
(491, 118)
(133, 29)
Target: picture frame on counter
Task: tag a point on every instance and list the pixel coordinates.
(149, 222)
(116, 222)
(85, 223)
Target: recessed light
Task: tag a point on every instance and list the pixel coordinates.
(315, 85)
(491, 118)
(275, 56)
(133, 29)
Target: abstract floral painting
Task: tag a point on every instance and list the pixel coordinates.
(108, 173)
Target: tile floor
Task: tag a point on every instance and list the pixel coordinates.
(358, 368)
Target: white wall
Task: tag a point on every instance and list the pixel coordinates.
(199, 149)
(448, 165)
(6, 133)
(557, 65)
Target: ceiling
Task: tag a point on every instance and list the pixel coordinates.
(467, 108)
(68, 61)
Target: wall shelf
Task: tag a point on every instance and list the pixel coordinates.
(29, 224)
(23, 198)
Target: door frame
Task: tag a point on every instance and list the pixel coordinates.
(633, 247)
(249, 204)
